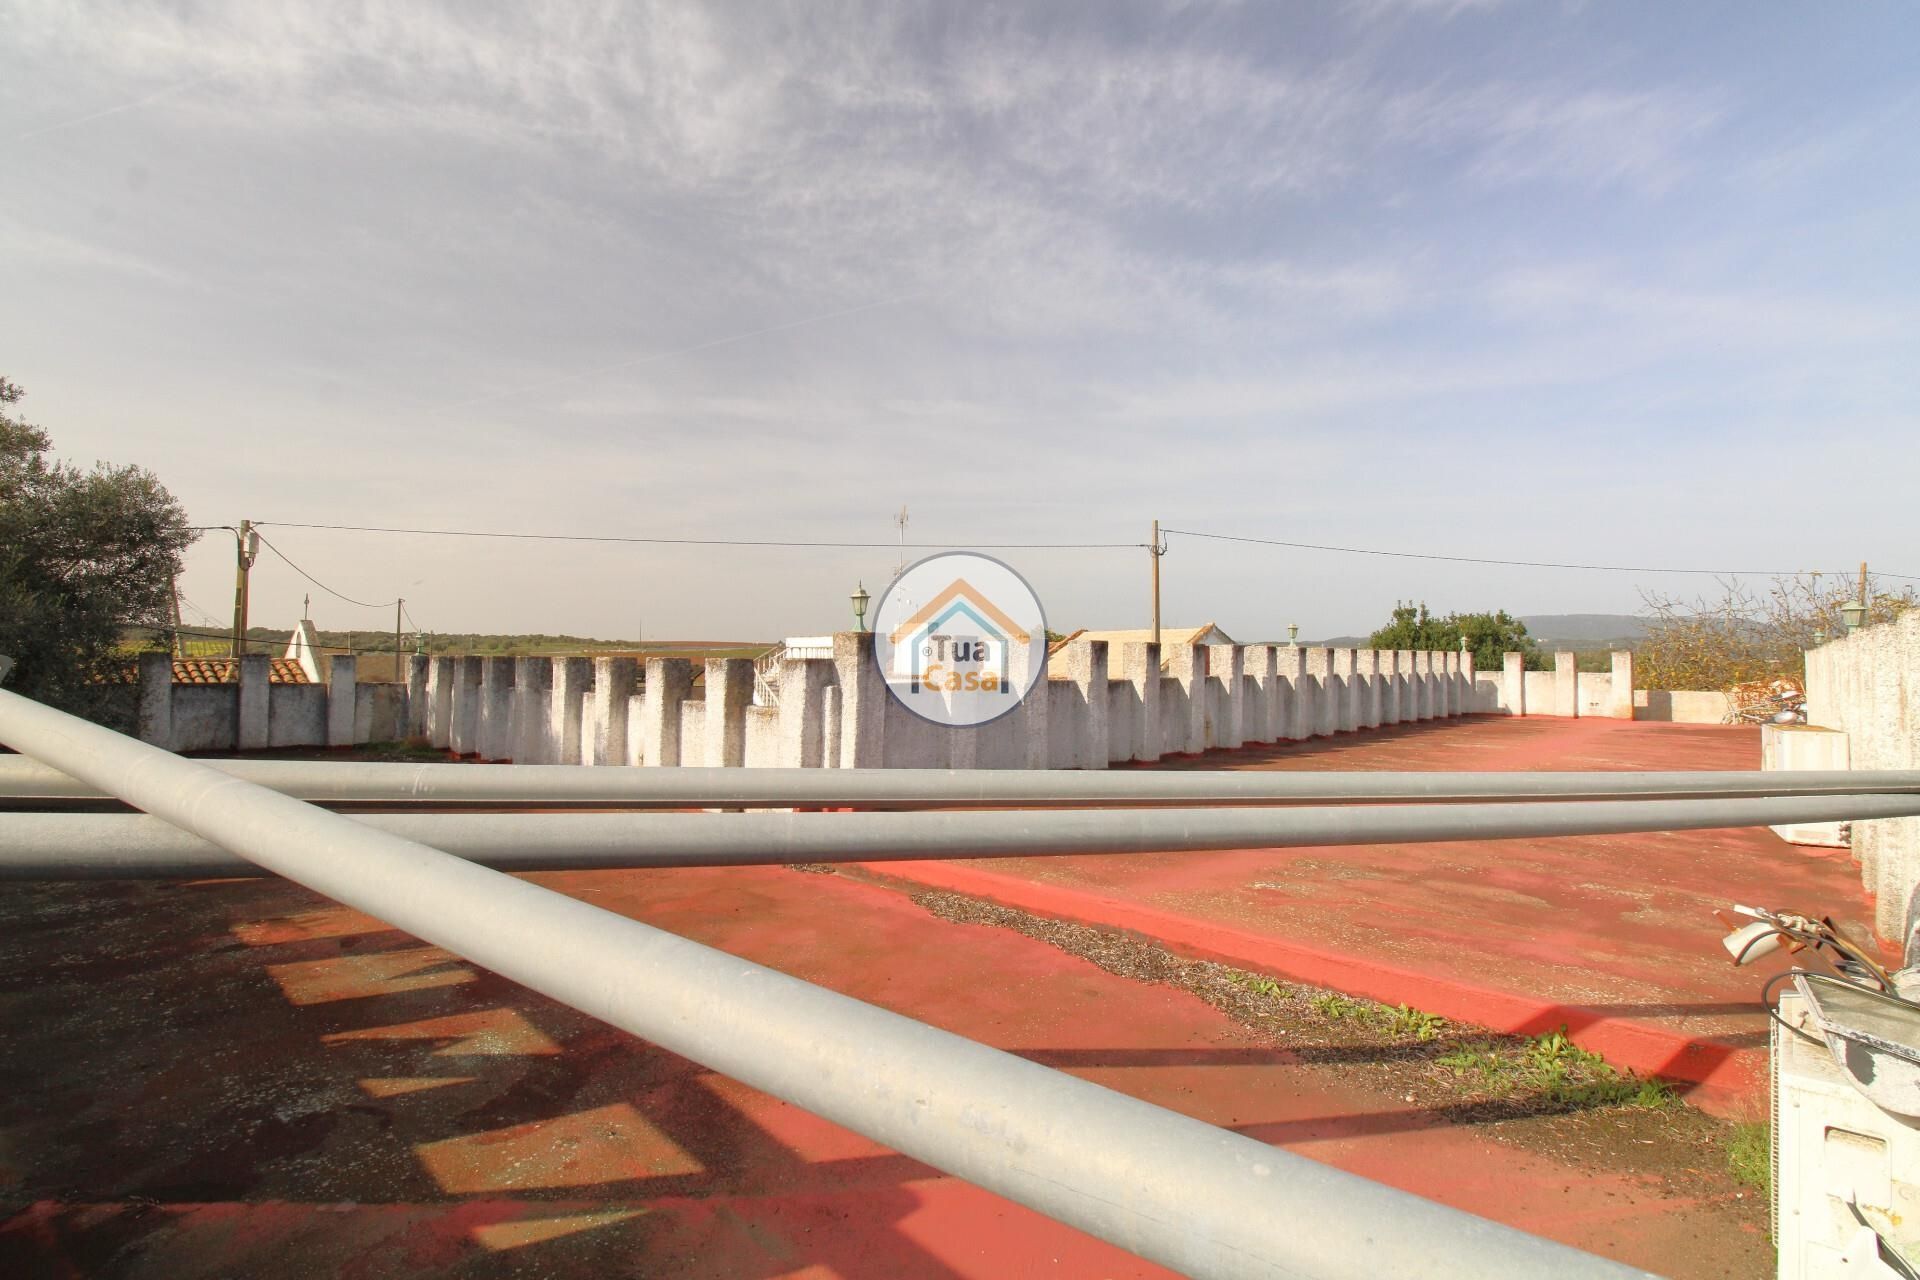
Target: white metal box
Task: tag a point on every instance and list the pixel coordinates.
(1840, 1164)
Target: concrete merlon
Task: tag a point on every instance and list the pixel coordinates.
(532, 710)
(342, 700)
(440, 679)
(729, 692)
(256, 690)
(668, 685)
(1621, 694)
(1138, 663)
(419, 707)
(803, 713)
(156, 699)
(1086, 664)
(863, 701)
(614, 682)
(571, 680)
(1566, 684)
(1513, 683)
(496, 707)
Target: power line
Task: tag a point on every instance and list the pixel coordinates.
(696, 542)
(364, 604)
(1524, 564)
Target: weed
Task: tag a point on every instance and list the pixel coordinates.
(1260, 986)
(1750, 1156)
(1335, 1006)
(1554, 1067)
(1403, 1020)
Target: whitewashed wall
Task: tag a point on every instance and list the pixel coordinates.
(1869, 686)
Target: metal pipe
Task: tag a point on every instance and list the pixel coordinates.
(1199, 1199)
(64, 846)
(556, 786)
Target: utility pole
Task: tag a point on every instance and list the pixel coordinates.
(1155, 550)
(399, 607)
(173, 592)
(246, 550)
(1863, 585)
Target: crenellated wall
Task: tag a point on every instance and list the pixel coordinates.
(1099, 705)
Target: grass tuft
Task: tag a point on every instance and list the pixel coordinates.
(1750, 1156)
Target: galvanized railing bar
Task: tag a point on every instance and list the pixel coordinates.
(1199, 1199)
(36, 846)
(339, 782)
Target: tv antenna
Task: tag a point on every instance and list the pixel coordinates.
(901, 521)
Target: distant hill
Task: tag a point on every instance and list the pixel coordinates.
(1557, 631)
(1587, 630)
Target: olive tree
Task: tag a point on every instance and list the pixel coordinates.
(84, 555)
(1744, 635)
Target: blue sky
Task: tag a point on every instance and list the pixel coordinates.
(1606, 282)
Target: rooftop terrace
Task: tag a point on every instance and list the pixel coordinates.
(220, 1078)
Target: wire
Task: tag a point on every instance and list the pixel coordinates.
(1524, 564)
(695, 542)
(364, 604)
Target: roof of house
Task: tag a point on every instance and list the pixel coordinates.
(223, 671)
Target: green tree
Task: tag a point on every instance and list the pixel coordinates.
(83, 554)
(1489, 636)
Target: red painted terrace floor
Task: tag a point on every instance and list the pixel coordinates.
(235, 1078)
(1611, 936)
